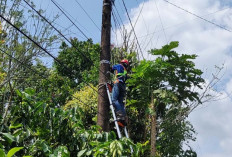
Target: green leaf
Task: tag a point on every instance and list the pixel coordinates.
(45, 147)
(16, 126)
(13, 151)
(9, 137)
(18, 93)
(2, 154)
(61, 151)
(81, 153)
(89, 153)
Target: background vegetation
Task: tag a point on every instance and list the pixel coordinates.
(51, 111)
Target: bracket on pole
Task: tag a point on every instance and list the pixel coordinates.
(104, 62)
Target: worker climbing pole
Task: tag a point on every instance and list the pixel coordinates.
(103, 101)
(119, 91)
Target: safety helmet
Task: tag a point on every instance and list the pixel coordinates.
(125, 61)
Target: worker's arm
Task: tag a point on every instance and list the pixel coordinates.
(114, 67)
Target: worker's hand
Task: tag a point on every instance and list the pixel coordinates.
(111, 70)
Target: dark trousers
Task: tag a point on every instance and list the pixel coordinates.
(118, 94)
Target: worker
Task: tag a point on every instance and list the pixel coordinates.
(119, 91)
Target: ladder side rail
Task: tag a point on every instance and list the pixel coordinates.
(127, 136)
(126, 133)
(114, 116)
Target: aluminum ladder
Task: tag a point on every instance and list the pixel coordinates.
(115, 119)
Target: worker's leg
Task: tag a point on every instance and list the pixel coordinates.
(115, 97)
(122, 93)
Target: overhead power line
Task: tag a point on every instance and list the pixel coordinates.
(141, 12)
(87, 59)
(118, 15)
(35, 72)
(152, 33)
(75, 21)
(133, 28)
(66, 17)
(88, 15)
(117, 23)
(198, 16)
(44, 51)
(114, 30)
(33, 41)
(161, 22)
(142, 15)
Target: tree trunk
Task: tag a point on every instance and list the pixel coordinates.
(153, 126)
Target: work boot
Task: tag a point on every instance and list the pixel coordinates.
(121, 118)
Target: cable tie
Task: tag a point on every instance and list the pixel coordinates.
(104, 62)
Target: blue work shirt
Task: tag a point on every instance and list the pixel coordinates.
(118, 68)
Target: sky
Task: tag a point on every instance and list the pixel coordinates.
(159, 23)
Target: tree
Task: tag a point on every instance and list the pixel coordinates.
(17, 46)
(81, 59)
(86, 99)
(165, 83)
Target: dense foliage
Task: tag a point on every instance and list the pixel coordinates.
(167, 82)
(81, 61)
(51, 111)
(42, 130)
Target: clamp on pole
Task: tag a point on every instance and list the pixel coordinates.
(104, 62)
(104, 4)
(111, 2)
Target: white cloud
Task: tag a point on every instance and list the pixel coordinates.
(229, 87)
(213, 46)
(214, 126)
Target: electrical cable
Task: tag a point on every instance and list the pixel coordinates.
(117, 23)
(72, 45)
(40, 74)
(118, 15)
(161, 22)
(89, 60)
(143, 17)
(180, 23)
(143, 20)
(88, 15)
(75, 20)
(45, 49)
(58, 61)
(140, 13)
(67, 29)
(133, 28)
(116, 36)
(198, 16)
(150, 40)
(65, 16)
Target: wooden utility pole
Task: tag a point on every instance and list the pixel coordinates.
(103, 101)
